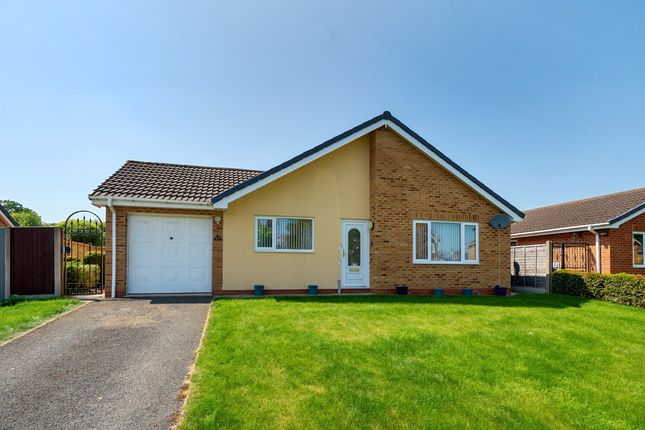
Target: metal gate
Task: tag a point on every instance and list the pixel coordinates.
(83, 237)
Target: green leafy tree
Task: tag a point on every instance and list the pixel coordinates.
(84, 231)
(24, 216)
(12, 206)
(27, 218)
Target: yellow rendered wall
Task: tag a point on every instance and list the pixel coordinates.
(332, 188)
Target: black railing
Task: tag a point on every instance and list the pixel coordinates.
(84, 254)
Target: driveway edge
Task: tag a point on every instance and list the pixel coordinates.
(186, 386)
(44, 323)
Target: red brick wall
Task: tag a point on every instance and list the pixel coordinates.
(577, 237)
(407, 185)
(620, 240)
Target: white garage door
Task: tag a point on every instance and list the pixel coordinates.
(169, 254)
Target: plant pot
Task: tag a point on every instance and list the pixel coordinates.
(312, 290)
(258, 290)
(402, 290)
(438, 292)
(500, 291)
(468, 292)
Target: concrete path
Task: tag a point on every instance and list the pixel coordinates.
(113, 364)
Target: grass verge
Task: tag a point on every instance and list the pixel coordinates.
(19, 315)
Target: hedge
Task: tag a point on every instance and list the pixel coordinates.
(88, 275)
(619, 288)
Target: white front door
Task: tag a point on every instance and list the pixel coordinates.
(169, 254)
(355, 250)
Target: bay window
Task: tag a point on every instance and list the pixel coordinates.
(445, 242)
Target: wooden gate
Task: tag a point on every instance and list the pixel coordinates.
(36, 261)
(573, 256)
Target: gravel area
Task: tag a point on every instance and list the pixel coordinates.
(112, 364)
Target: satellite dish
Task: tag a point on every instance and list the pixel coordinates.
(500, 221)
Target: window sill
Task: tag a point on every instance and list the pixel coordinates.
(447, 263)
(284, 251)
(638, 266)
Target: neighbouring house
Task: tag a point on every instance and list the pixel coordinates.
(5, 218)
(612, 226)
(372, 208)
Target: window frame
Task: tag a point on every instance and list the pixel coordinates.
(274, 223)
(634, 265)
(462, 245)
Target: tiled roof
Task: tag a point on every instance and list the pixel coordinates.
(594, 210)
(175, 182)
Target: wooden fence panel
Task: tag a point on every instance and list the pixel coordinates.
(529, 266)
(36, 261)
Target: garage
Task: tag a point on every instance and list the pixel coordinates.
(169, 254)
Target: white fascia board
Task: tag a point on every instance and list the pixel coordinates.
(223, 204)
(559, 230)
(148, 203)
(624, 220)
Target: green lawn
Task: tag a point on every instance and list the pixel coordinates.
(24, 315)
(403, 362)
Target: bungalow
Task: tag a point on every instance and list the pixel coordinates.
(374, 207)
(612, 226)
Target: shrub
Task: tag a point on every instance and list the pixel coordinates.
(12, 300)
(619, 288)
(88, 275)
(93, 258)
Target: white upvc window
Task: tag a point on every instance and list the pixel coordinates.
(284, 234)
(445, 242)
(638, 246)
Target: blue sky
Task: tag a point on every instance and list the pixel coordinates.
(543, 101)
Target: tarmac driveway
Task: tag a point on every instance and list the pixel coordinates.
(114, 364)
